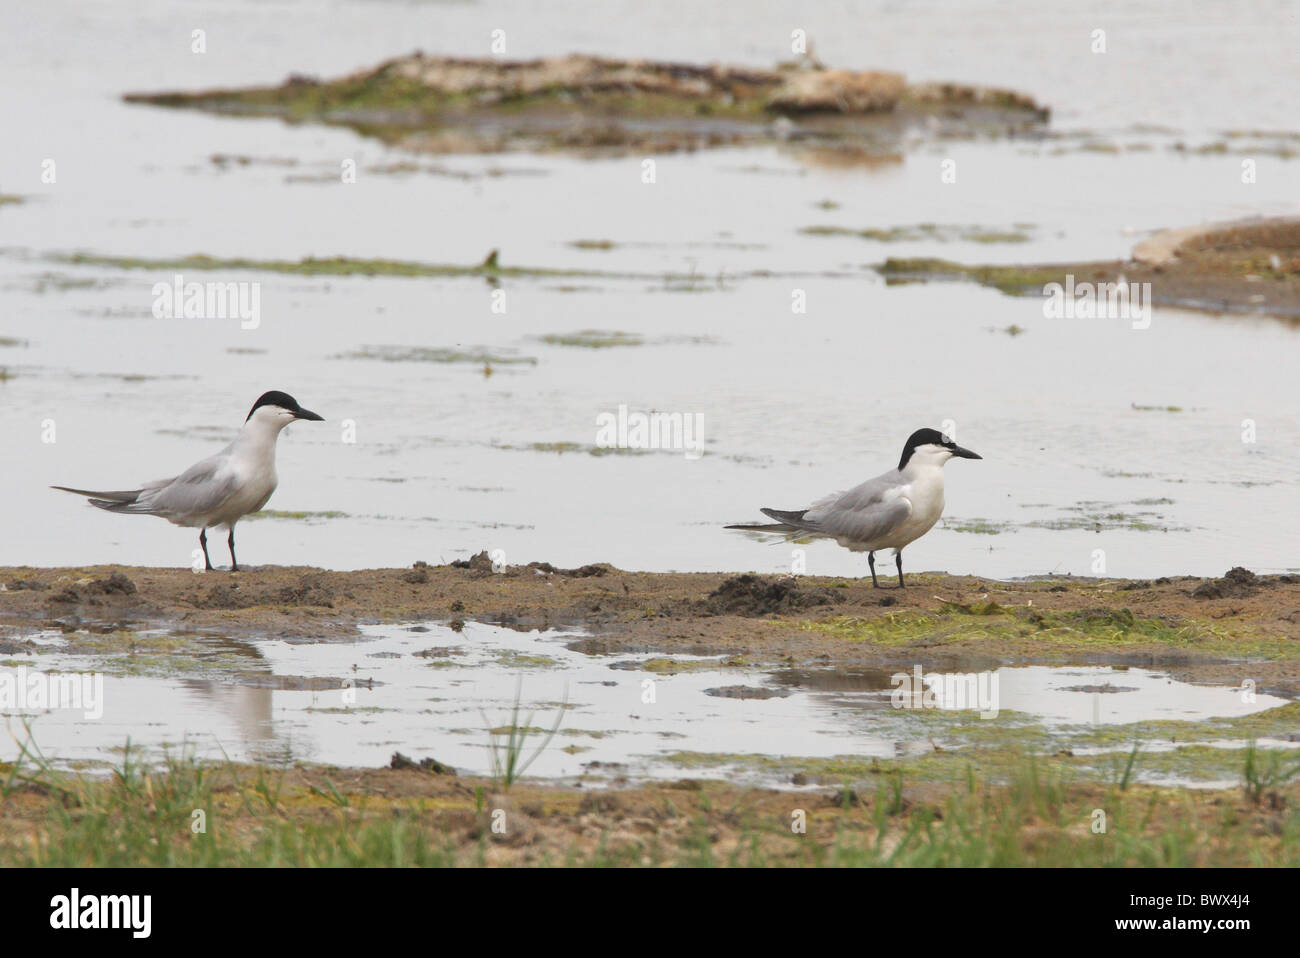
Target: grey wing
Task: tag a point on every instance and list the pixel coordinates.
(198, 491)
(864, 525)
(862, 514)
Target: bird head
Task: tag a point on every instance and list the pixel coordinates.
(277, 409)
(930, 447)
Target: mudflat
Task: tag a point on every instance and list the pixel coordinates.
(1199, 629)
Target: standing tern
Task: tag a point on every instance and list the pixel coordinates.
(219, 490)
(887, 512)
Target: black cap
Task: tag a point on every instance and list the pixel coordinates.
(282, 399)
(927, 437)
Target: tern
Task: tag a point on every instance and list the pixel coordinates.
(887, 512)
(219, 490)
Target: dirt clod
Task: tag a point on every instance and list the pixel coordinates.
(1237, 583)
(417, 575)
(17, 585)
(400, 761)
(113, 585)
(751, 595)
(306, 592)
(478, 565)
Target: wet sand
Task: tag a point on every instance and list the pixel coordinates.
(1198, 629)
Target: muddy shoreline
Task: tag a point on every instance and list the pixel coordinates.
(1245, 267)
(849, 808)
(1205, 630)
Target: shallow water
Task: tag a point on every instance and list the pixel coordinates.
(448, 461)
(430, 690)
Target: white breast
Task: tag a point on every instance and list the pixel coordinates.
(255, 469)
(925, 493)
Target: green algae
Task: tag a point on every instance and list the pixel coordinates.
(593, 339)
(330, 266)
(940, 232)
(489, 268)
(427, 354)
(124, 652)
(997, 752)
(1279, 722)
(669, 666)
(588, 733)
(1096, 522)
(297, 516)
(1053, 633)
(561, 447)
(518, 660)
(983, 527)
(1013, 280)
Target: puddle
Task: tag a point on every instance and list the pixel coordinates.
(434, 691)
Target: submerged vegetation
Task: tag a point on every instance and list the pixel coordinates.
(1081, 517)
(481, 356)
(593, 339)
(939, 232)
(297, 516)
(331, 266)
(490, 269)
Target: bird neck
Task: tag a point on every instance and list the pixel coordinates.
(930, 472)
(258, 437)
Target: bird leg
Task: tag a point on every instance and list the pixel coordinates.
(203, 541)
(871, 561)
(898, 561)
(230, 541)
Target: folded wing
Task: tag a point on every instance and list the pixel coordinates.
(200, 490)
(863, 514)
